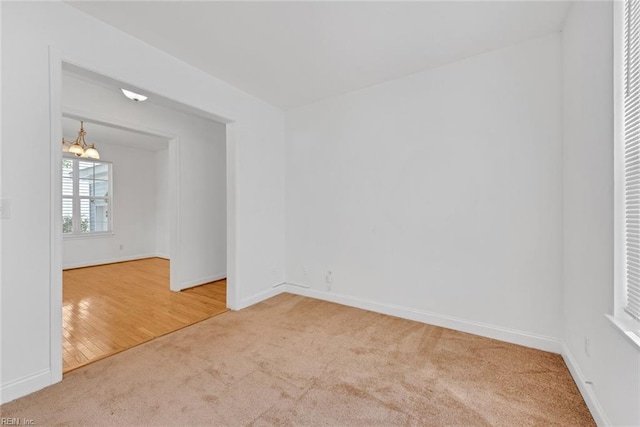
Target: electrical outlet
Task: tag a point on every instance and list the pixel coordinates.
(121, 247)
(329, 280)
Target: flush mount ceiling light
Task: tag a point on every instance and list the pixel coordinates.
(133, 96)
(79, 147)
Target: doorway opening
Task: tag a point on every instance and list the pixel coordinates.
(167, 237)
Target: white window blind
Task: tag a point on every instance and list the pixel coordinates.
(632, 155)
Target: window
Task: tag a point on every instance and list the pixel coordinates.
(86, 196)
(626, 315)
(631, 132)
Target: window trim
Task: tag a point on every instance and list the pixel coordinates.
(620, 319)
(91, 234)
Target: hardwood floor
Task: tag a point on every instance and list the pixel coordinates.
(110, 308)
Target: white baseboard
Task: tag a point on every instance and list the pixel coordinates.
(25, 385)
(261, 296)
(163, 256)
(202, 281)
(586, 391)
(526, 339)
(103, 261)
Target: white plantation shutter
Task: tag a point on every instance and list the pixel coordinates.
(86, 198)
(632, 154)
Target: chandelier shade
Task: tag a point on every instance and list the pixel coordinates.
(79, 147)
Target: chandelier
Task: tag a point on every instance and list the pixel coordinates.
(79, 147)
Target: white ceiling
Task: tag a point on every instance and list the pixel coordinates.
(102, 134)
(294, 53)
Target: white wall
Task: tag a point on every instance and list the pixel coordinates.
(437, 196)
(613, 366)
(134, 211)
(30, 273)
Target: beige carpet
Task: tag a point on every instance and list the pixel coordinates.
(298, 361)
